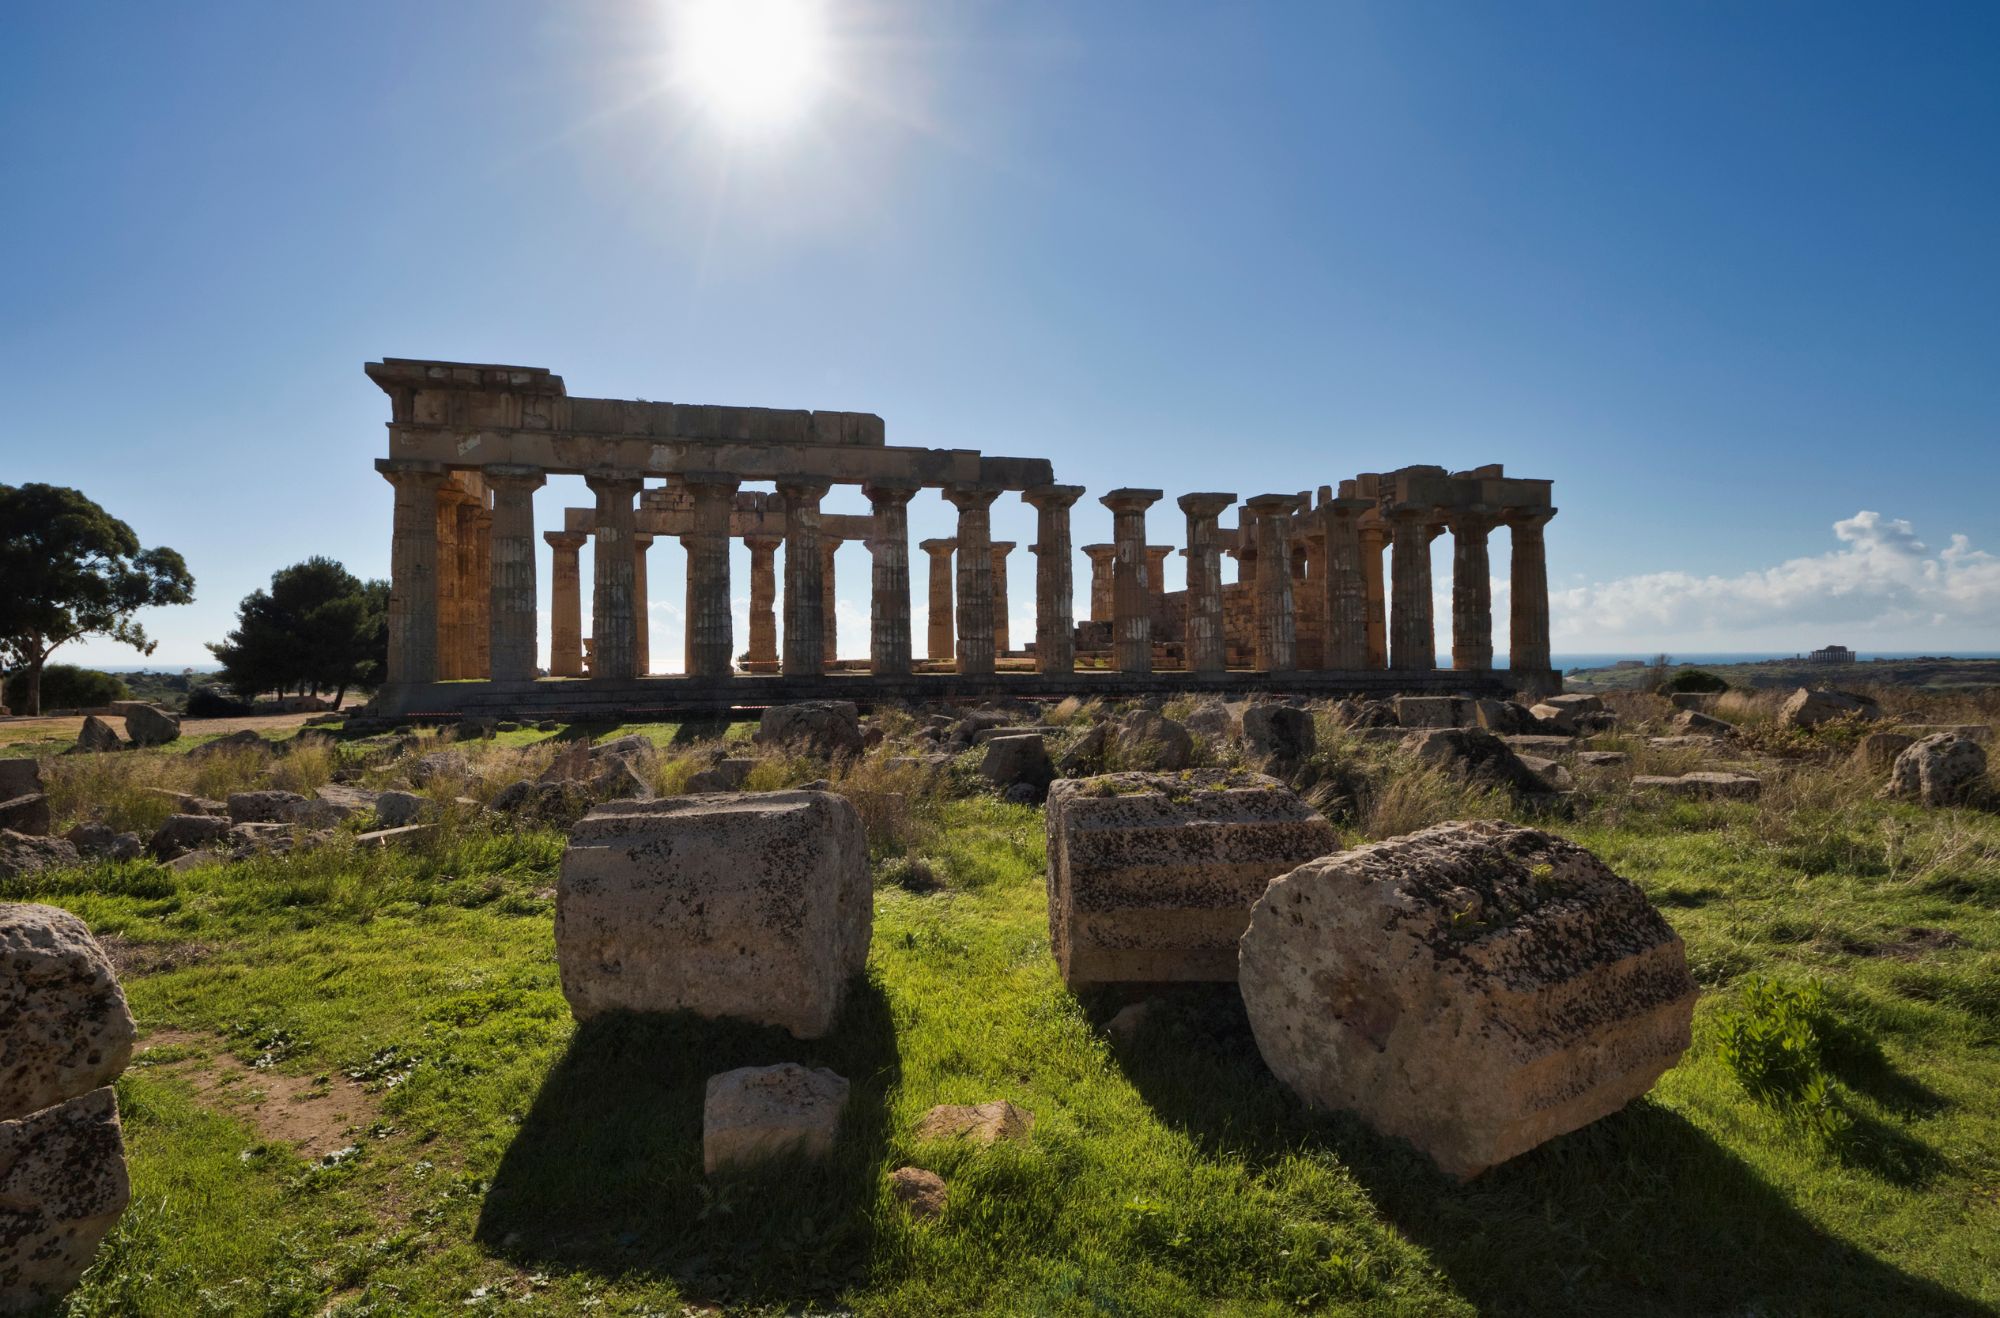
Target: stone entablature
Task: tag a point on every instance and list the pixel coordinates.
(470, 444)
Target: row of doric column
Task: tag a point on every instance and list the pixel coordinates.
(463, 601)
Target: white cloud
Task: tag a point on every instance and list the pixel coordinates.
(1882, 584)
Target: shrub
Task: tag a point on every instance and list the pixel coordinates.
(210, 702)
(1694, 679)
(65, 686)
(1775, 1041)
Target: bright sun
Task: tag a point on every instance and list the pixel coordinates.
(751, 63)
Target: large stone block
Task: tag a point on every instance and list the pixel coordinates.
(26, 814)
(753, 907)
(148, 726)
(1942, 769)
(1808, 708)
(821, 727)
(62, 1187)
(64, 1026)
(20, 778)
(1151, 876)
(1476, 988)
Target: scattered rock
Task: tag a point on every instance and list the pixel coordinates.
(184, 833)
(1942, 769)
(240, 740)
(1358, 713)
(1211, 720)
(1432, 711)
(1128, 1021)
(26, 814)
(1478, 755)
(187, 803)
(1701, 700)
(1019, 760)
(725, 775)
(1150, 739)
(1602, 759)
(984, 1124)
(1087, 755)
(438, 764)
(1705, 786)
(342, 800)
(1151, 877)
(1476, 988)
(62, 1187)
(22, 855)
(1808, 708)
(67, 1029)
(557, 803)
(619, 779)
(751, 907)
(267, 807)
(1282, 736)
(97, 735)
(19, 777)
(147, 725)
(1504, 717)
(400, 809)
(759, 1112)
(922, 1193)
(1878, 750)
(1553, 775)
(1694, 723)
(828, 728)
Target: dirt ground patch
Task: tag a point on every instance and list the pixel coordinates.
(315, 1114)
(135, 959)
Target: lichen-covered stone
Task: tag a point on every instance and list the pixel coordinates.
(62, 1187)
(20, 777)
(64, 1025)
(1476, 988)
(180, 834)
(147, 726)
(1715, 786)
(759, 1112)
(1151, 876)
(1807, 708)
(97, 735)
(1280, 735)
(26, 814)
(821, 727)
(1019, 759)
(1149, 738)
(1941, 769)
(22, 854)
(977, 1123)
(267, 807)
(1477, 754)
(752, 907)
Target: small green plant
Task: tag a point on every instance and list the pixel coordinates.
(1776, 1041)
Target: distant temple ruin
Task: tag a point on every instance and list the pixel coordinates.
(1310, 610)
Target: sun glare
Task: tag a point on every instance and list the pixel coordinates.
(751, 63)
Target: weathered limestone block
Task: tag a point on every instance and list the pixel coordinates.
(239, 740)
(26, 814)
(267, 807)
(1154, 740)
(1701, 700)
(1703, 786)
(759, 1112)
(1942, 769)
(986, 1123)
(1432, 711)
(97, 735)
(1878, 750)
(147, 726)
(1504, 718)
(438, 765)
(1694, 723)
(184, 833)
(822, 727)
(394, 809)
(20, 778)
(1282, 735)
(64, 1026)
(1477, 754)
(1019, 758)
(1476, 989)
(62, 1187)
(21, 854)
(754, 907)
(1151, 877)
(1808, 708)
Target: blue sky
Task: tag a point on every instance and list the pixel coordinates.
(1727, 273)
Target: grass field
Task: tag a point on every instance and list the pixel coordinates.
(467, 1149)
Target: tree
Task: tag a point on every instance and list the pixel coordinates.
(65, 686)
(318, 628)
(72, 570)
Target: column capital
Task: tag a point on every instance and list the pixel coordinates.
(642, 540)
(829, 543)
(803, 491)
(614, 480)
(1472, 521)
(710, 484)
(1272, 505)
(413, 471)
(937, 548)
(1100, 553)
(566, 539)
(763, 544)
(1206, 504)
(1521, 519)
(1002, 546)
(881, 493)
(1051, 496)
(514, 476)
(1130, 500)
(970, 498)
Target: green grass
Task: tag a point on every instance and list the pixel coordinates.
(519, 1164)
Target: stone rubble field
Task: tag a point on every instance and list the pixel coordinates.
(1432, 1004)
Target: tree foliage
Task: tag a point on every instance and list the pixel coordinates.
(72, 570)
(65, 686)
(318, 628)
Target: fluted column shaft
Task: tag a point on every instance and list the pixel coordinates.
(711, 623)
(642, 609)
(413, 570)
(805, 600)
(476, 588)
(511, 604)
(1207, 637)
(1528, 634)
(829, 612)
(938, 638)
(613, 620)
(1002, 640)
(1374, 539)
(1471, 591)
(889, 580)
(1412, 627)
(1344, 592)
(1277, 635)
(1131, 602)
(1103, 575)
(1156, 569)
(763, 599)
(566, 603)
(975, 577)
(1055, 585)
(450, 579)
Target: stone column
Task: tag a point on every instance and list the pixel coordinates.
(642, 609)
(511, 606)
(828, 613)
(1131, 594)
(1103, 573)
(1412, 628)
(805, 601)
(613, 623)
(938, 641)
(710, 622)
(1471, 590)
(1528, 633)
(1002, 642)
(763, 652)
(1309, 590)
(476, 590)
(889, 583)
(450, 581)
(413, 569)
(1156, 569)
(566, 601)
(975, 577)
(1055, 584)
(1374, 539)
(1344, 589)
(1277, 635)
(1207, 639)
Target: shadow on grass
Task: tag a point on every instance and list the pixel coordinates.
(606, 1172)
(1641, 1212)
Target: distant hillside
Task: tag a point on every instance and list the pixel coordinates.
(1939, 674)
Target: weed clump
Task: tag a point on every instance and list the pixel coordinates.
(1776, 1042)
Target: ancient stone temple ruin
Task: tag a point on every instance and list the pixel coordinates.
(1311, 610)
